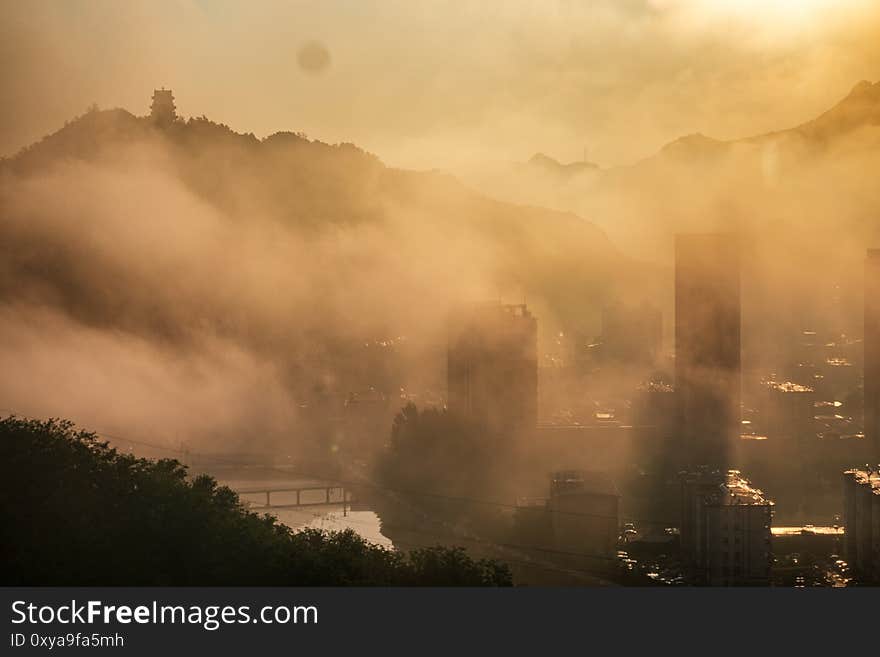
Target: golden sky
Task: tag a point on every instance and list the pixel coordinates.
(443, 83)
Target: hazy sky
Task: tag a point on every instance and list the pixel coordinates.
(443, 83)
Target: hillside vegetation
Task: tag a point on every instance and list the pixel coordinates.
(75, 512)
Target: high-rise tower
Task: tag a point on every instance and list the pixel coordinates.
(707, 347)
(492, 371)
(872, 351)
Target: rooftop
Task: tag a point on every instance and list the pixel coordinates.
(567, 482)
(866, 477)
(655, 386)
(807, 530)
(736, 489)
(728, 488)
(787, 386)
(493, 311)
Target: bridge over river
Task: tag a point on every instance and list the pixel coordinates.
(293, 496)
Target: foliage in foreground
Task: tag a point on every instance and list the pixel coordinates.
(74, 511)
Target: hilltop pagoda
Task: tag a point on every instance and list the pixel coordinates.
(162, 111)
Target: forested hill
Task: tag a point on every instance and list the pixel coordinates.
(446, 240)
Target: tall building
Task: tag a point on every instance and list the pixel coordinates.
(707, 347)
(163, 111)
(787, 411)
(861, 518)
(872, 351)
(492, 368)
(579, 522)
(584, 508)
(725, 529)
(780, 444)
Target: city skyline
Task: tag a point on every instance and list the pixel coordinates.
(398, 294)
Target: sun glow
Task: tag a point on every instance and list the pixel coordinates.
(792, 9)
(774, 21)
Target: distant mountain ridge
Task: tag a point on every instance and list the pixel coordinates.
(860, 108)
(547, 163)
(804, 199)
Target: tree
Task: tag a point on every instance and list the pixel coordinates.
(442, 467)
(74, 511)
(433, 451)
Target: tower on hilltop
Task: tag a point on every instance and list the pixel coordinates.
(162, 111)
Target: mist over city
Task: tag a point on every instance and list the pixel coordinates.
(531, 294)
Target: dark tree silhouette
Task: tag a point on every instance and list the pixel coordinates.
(438, 464)
(431, 450)
(74, 511)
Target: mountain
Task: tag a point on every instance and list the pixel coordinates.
(860, 108)
(856, 114)
(728, 181)
(95, 217)
(248, 292)
(804, 201)
(545, 164)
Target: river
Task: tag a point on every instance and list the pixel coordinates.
(331, 517)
